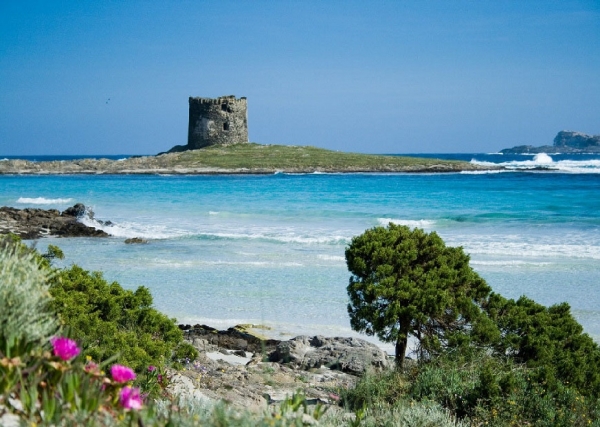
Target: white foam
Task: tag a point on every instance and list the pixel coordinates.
(197, 263)
(43, 201)
(213, 213)
(423, 223)
(509, 263)
(331, 257)
(484, 172)
(533, 250)
(289, 238)
(544, 161)
(130, 229)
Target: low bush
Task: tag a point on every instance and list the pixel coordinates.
(109, 320)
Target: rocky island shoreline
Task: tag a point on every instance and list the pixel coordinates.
(240, 159)
(565, 142)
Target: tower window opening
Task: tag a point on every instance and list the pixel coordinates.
(224, 107)
(226, 126)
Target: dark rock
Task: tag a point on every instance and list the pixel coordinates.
(564, 142)
(77, 211)
(240, 353)
(577, 140)
(235, 338)
(135, 240)
(351, 355)
(35, 223)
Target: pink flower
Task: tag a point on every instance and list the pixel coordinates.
(130, 398)
(91, 367)
(122, 374)
(65, 348)
(151, 368)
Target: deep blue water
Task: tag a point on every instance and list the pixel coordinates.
(270, 249)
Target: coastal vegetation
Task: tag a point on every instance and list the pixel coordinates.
(409, 283)
(77, 350)
(248, 158)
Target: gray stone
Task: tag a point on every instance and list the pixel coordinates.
(351, 355)
(216, 121)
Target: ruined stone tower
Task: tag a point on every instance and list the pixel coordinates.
(217, 121)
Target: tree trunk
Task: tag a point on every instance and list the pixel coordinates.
(402, 343)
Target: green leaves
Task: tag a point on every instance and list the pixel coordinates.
(407, 282)
(107, 319)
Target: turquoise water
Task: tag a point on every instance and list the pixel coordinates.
(270, 249)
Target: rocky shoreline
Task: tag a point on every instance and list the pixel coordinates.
(565, 142)
(249, 371)
(31, 223)
(208, 162)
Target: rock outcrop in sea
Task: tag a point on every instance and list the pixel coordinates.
(564, 142)
(31, 223)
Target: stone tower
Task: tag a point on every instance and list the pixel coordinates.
(217, 121)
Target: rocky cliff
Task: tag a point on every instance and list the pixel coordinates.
(564, 142)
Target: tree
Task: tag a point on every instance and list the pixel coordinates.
(408, 282)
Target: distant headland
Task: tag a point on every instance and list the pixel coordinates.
(565, 142)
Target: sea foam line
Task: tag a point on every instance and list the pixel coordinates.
(422, 223)
(544, 161)
(43, 201)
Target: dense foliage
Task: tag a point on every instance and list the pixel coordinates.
(26, 319)
(107, 319)
(501, 362)
(408, 282)
(547, 339)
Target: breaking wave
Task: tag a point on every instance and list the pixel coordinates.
(543, 161)
(43, 201)
(422, 223)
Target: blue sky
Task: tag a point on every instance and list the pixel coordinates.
(376, 76)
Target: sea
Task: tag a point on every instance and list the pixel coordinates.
(269, 249)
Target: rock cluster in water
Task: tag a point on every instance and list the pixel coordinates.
(33, 223)
(564, 142)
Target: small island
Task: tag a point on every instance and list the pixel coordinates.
(565, 142)
(218, 144)
(242, 158)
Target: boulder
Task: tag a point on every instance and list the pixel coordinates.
(351, 355)
(135, 240)
(32, 223)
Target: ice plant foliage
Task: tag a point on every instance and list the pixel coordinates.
(64, 348)
(130, 398)
(122, 374)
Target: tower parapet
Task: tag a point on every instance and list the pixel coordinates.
(217, 121)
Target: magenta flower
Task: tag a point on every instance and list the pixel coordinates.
(65, 348)
(151, 368)
(122, 374)
(130, 398)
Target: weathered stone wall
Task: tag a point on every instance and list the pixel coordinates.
(217, 121)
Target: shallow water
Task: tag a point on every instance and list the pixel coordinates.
(270, 249)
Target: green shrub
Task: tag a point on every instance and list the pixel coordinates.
(109, 320)
(26, 318)
(549, 340)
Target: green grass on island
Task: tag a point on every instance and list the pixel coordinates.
(246, 158)
(254, 156)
